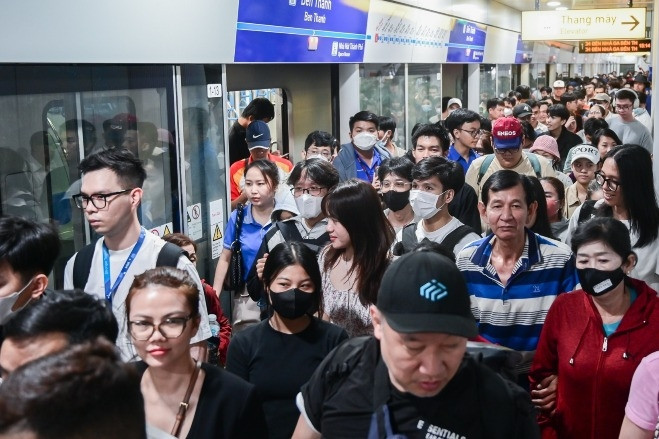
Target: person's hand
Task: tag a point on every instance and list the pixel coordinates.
(543, 396)
(571, 124)
(259, 266)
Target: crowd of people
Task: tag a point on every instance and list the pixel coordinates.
(497, 279)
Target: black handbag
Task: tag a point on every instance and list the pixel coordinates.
(234, 280)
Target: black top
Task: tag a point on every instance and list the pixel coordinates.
(237, 144)
(465, 207)
(279, 364)
(341, 397)
(228, 407)
(566, 140)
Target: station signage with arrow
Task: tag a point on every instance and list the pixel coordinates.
(584, 24)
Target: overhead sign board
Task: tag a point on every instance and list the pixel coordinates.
(584, 24)
(615, 46)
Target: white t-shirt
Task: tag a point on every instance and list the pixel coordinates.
(146, 258)
(440, 234)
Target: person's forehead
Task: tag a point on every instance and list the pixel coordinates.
(14, 353)
(428, 141)
(511, 194)
(313, 145)
(100, 179)
(394, 176)
(364, 125)
(432, 181)
(305, 179)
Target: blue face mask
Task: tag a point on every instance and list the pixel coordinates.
(382, 143)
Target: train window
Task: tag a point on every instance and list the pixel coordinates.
(425, 93)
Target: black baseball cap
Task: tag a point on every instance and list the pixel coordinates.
(424, 291)
(522, 110)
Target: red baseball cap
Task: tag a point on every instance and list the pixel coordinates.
(507, 133)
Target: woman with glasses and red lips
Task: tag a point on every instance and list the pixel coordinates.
(162, 309)
(628, 195)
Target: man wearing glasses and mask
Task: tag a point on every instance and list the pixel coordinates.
(110, 195)
(508, 154)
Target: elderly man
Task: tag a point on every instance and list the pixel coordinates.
(413, 379)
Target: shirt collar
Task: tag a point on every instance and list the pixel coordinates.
(530, 254)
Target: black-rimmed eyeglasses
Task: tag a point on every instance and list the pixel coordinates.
(99, 201)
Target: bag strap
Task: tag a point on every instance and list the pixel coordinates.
(452, 239)
(82, 265)
(240, 215)
(484, 165)
(183, 406)
(535, 163)
(169, 255)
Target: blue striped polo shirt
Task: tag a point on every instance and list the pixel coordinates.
(512, 315)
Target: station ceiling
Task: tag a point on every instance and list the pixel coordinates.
(529, 5)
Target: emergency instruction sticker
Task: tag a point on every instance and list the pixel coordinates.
(162, 230)
(194, 222)
(216, 210)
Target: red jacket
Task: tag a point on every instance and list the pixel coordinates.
(594, 372)
(213, 305)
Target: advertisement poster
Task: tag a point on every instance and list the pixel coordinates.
(466, 42)
(301, 31)
(524, 52)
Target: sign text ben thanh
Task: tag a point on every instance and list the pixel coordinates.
(584, 24)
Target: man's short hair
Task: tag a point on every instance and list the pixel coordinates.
(79, 315)
(459, 117)
(626, 94)
(592, 125)
(559, 110)
(258, 109)
(546, 89)
(319, 170)
(88, 130)
(533, 103)
(493, 103)
(318, 138)
(449, 172)
(433, 130)
(386, 123)
(506, 179)
(524, 91)
(82, 392)
(122, 162)
(29, 247)
(568, 97)
(363, 116)
(401, 166)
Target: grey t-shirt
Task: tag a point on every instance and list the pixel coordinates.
(632, 132)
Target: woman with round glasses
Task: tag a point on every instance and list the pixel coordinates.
(183, 398)
(629, 196)
(395, 184)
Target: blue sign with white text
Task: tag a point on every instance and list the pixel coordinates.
(301, 31)
(466, 42)
(524, 53)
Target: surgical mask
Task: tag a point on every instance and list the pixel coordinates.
(599, 282)
(382, 143)
(426, 107)
(396, 201)
(424, 204)
(293, 303)
(308, 205)
(7, 303)
(317, 156)
(364, 141)
(438, 110)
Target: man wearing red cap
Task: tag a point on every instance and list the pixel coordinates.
(508, 154)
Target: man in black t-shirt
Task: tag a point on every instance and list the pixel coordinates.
(257, 109)
(413, 378)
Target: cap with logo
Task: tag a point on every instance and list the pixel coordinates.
(258, 135)
(559, 84)
(507, 133)
(548, 144)
(425, 292)
(602, 97)
(585, 151)
(522, 110)
(454, 101)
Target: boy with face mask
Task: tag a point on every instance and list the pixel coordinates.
(361, 157)
(310, 181)
(28, 251)
(395, 177)
(435, 182)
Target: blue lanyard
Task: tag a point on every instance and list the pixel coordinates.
(109, 292)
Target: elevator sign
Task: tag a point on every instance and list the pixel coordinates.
(584, 24)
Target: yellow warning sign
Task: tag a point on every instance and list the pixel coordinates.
(217, 234)
(167, 231)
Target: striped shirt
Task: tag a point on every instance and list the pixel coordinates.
(512, 315)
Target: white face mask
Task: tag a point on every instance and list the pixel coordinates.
(426, 107)
(308, 205)
(424, 204)
(6, 303)
(317, 156)
(364, 141)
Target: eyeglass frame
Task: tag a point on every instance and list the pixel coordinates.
(79, 199)
(507, 151)
(478, 132)
(624, 107)
(308, 191)
(390, 186)
(607, 181)
(154, 327)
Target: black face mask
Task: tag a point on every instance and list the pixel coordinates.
(396, 200)
(599, 282)
(293, 303)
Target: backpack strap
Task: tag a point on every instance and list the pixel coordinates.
(485, 164)
(82, 265)
(169, 255)
(290, 232)
(535, 163)
(456, 236)
(408, 240)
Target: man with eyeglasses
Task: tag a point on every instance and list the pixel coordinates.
(508, 154)
(110, 196)
(465, 127)
(628, 129)
(318, 144)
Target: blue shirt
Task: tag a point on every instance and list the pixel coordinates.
(365, 172)
(512, 315)
(251, 237)
(454, 155)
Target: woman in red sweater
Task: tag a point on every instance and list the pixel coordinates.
(593, 339)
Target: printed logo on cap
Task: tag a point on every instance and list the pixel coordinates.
(433, 290)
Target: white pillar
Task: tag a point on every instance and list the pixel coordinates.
(552, 75)
(525, 76)
(473, 86)
(655, 105)
(348, 98)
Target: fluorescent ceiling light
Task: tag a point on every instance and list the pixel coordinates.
(554, 3)
(561, 8)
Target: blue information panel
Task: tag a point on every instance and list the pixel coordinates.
(301, 31)
(524, 53)
(466, 42)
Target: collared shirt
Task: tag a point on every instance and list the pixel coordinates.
(571, 200)
(454, 155)
(364, 171)
(251, 236)
(237, 172)
(512, 315)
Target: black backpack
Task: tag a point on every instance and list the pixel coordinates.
(168, 257)
(409, 239)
